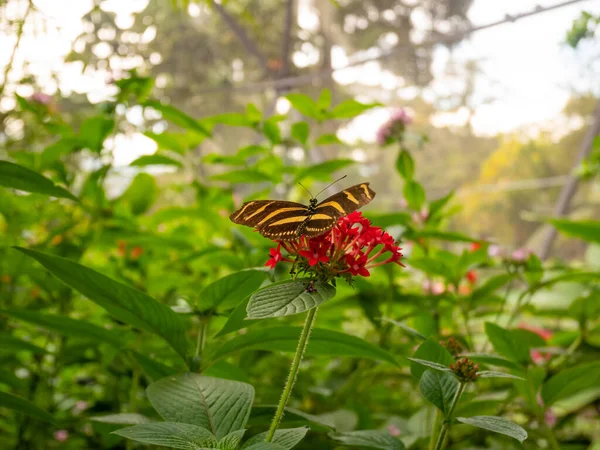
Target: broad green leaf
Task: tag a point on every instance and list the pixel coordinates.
(323, 171)
(497, 425)
(94, 131)
(237, 319)
(272, 131)
(322, 342)
(405, 165)
(305, 105)
(405, 327)
(231, 119)
(153, 369)
(253, 113)
(242, 176)
(324, 100)
(490, 286)
(18, 177)
(12, 344)
(431, 266)
(175, 142)
(23, 406)
(124, 302)
(170, 434)
(586, 307)
(414, 194)
(493, 374)
(263, 414)
(68, 327)
(230, 290)
(266, 446)
(350, 108)
(450, 236)
(328, 139)
(156, 160)
(587, 230)
(122, 419)
(512, 344)
(227, 371)
(286, 437)
(220, 406)
(178, 117)
(492, 360)
(287, 298)
(369, 439)
(140, 194)
(571, 381)
(439, 388)
(436, 207)
(300, 132)
(232, 440)
(430, 350)
(431, 365)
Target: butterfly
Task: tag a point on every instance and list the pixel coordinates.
(287, 221)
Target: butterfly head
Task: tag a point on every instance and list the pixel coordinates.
(313, 202)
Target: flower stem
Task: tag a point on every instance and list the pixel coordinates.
(291, 380)
(441, 441)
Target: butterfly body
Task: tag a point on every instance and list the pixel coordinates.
(286, 221)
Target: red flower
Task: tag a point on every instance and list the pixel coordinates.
(276, 256)
(471, 276)
(356, 264)
(350, 248)
(475, 246)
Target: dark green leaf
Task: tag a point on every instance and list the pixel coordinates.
(94, 131)
(322, 342)
(492, 374)
(122, 419)
(406, 328)
(272, 131)
(431, 365)
(11, 344)
(287, 438)
(369, 439)
(230, 290)
(512, 344)
(18, 177)
(430, 350)
(232, 440)
(170, 434)
(124, 302)
(490, 286)
(405, 165)
(414, 194)
(287, 298)
(140, 194)
(571, 381)
(497, 425)
(586, 230)
(153, 369)
(237, 319)
(439, 388)
(220, 406)
(491, 360)
(23, 406)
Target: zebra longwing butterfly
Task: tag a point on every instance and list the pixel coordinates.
(287, 221)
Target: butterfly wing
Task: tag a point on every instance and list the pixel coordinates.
(338, 205)
(274, 219)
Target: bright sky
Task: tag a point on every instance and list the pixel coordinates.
(527, 70)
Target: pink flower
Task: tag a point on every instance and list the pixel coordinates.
(394, 430)
(61, 435)
(41, 98)
(393, 129)
(537, 356)
(520, 254)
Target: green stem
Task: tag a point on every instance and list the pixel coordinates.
(552, 442)
(441, 441)
(291, 380)
(436, 429)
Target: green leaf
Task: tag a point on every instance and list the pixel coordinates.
(430, 350)
(123, 302)
(431, 365)
(406, 328)
(490, 286)
(328, 139)
(140, 194)
(18, 177)
(156, 160)
(436, 206)
(94, 131)
(288, 298)
(253, 113)
(263, 414)
(497, 425)
(23, 406)
(237, 319)
(305, 105)
(122, 419)
(170, 434)
(230, 290)
(587, 230)
(300, 132)
(350, 108)
(323, 171)
(439, 388)
(176, 142)
(493, 374)
(232, 440)
(68, 327)
(266, 446)
(512, 344)
(220, 406)
(272, 131)
(322, 342)
(431, 266)
(571, 381)
(11, 344)
(492, 360)
(414, 194)
(232, 119)
(324, 100)
(153, 369)
(178, 117)
(242, 176)
(450, 236)
(369, 439)
(286, 437)
(405, 165)
(227, 371)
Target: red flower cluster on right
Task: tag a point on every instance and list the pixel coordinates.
(351, 248)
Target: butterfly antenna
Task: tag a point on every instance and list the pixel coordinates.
(331, 185)
(311, 196)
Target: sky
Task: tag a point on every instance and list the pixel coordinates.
(527, 70)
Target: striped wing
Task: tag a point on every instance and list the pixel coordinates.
(338, 205)
(274, 219)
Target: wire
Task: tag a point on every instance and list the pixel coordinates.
(300, 80)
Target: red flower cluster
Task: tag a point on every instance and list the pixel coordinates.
(351, 248)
